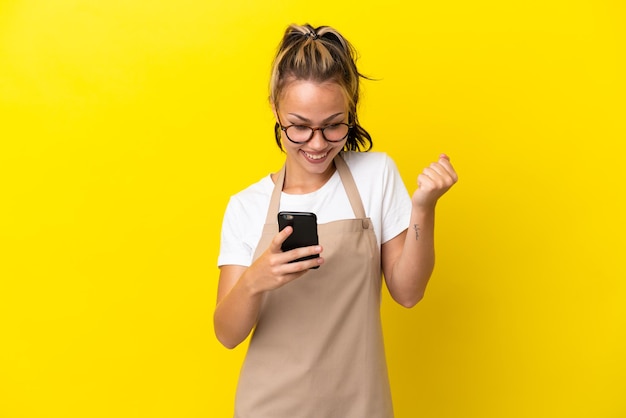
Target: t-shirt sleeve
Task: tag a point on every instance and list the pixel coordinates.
(233, 247)
(396, 202)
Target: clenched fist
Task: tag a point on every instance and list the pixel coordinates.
(433, 182)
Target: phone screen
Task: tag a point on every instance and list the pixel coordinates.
(304, 233)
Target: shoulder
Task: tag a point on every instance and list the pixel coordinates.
(360, 158)
(368, 159)
(243, 222)
(369, 164)
(254, 194)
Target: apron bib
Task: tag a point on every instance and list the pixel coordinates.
(317, 349)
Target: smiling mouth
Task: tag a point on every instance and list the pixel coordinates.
(316, 156)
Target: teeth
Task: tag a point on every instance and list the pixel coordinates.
(315, 157)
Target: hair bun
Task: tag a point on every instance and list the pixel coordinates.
(311, 34)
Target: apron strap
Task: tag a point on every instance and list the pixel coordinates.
(272, 211)
(346, 179)
(350, 186)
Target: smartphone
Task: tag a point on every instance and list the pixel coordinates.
(304, 233)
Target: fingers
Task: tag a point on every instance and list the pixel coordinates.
(309, 254)
(436, 176)
(293, 266)
(424, 181)
(277, 241)
(286, 269)
(441, 173)
(434, 181)
(287, 257)
(444, 161)
(275, 269)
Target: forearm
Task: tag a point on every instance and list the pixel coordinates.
(236, 314)
(414, 266)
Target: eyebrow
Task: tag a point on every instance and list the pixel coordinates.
(303, 119)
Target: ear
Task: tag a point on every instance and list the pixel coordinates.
(274, 110)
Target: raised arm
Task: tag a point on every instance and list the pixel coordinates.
(409, 258)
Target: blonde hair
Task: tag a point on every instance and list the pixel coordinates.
(319, 54)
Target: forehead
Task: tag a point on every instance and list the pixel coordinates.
(308, 93)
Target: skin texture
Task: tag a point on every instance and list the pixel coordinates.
(407, 259)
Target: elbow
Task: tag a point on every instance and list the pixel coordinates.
(230, 346)
(226, 342)
(223, 336)
(411, 301)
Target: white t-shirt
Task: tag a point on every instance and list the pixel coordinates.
(385, 199)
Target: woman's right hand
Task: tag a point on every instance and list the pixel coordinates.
(240, 290)
(274, 268)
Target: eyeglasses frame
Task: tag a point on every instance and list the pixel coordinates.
(321, 129)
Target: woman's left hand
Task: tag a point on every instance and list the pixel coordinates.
(434, 181)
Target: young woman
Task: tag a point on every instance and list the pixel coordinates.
(317, 346)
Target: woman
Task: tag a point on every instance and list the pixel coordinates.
(317, 347)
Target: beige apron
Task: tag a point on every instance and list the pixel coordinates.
(317, 349)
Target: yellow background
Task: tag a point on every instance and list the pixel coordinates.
(127, 124)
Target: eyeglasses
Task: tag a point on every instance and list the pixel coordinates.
(300, 134)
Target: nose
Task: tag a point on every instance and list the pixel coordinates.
(317, 141)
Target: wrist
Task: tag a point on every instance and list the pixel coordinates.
(249, 285)
(423, 211)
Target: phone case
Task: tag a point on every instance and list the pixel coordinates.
(304, 231)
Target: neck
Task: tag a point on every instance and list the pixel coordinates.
(297, 182)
